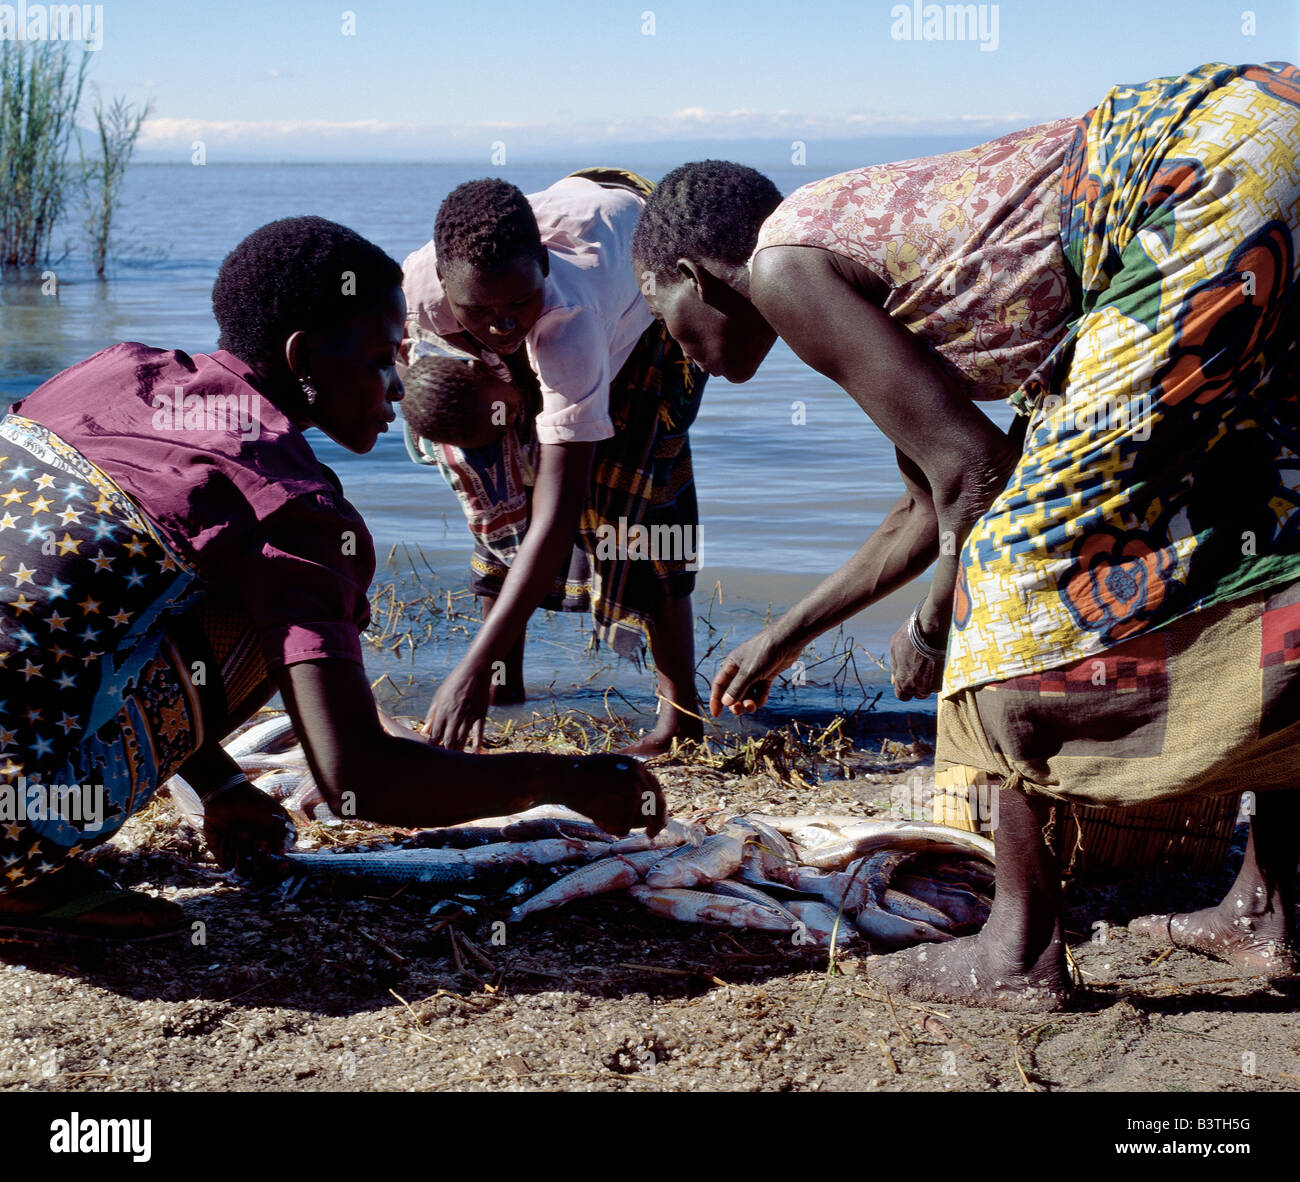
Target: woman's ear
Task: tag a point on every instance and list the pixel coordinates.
(706, 285)
(297, 355)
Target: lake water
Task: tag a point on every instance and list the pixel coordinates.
(781, 504)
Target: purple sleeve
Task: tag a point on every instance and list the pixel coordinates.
(303, 579)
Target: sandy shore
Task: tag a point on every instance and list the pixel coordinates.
(337, 990)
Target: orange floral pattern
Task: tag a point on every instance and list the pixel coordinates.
(1222, 325)
(1116, 585)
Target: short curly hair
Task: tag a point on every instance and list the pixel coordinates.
(441, 402)
(296, 274)
(488, 224)
(710, 209)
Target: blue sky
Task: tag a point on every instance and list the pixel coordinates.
(422, 81)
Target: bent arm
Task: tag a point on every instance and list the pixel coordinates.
(815, 301)
(899, 549)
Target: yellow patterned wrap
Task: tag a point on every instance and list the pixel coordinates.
(1161, 472)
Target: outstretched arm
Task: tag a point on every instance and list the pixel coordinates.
(563, 477)
(399, 781)
(954, 459)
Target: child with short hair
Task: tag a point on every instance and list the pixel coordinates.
(458, 401)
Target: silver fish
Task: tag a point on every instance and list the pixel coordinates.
(884, 927)
(309, 803)
(716, 858)
(673, 834)
(609, 874)
(187, 802)
(916, 836)
(814, 837)
(877, 871)
(458, 837)
(910, 908)
(536, 828)
(261, 737)
(435, 866)
(519, 890)
(820, 922)
(964, 907)
(554, 811)
(702, 907)
(440, 866)
(839, 889)
(972, 873)
(279, 785)
(767, 858)
(742, 890)
(263, 761)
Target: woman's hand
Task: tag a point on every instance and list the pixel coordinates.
(459, 707)
(745, 677)
(244, 828)
(913, 675)
(615, 791)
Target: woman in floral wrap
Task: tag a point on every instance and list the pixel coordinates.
(1114, 616)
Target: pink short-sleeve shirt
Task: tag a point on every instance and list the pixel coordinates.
(593, 314)
(230, 482)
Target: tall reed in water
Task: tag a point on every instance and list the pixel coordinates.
(40, 89)
(118, 127)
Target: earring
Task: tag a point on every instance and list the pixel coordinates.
(309, 391)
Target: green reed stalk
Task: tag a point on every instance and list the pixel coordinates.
(40, 90)
(102, 179)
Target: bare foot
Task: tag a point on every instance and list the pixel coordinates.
(660, 741)
(1258, 943)
(974, 971)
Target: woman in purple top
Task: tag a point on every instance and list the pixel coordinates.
(177, 553)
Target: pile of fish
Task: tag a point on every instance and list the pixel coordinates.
(818, 879)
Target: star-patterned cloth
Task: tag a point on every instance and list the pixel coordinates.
(93, 693)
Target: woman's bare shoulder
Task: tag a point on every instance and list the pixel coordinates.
(779, 273)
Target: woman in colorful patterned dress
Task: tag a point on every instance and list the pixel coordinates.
(1128, 555)
(178, 553)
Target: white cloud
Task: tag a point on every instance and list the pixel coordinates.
(307, 138)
